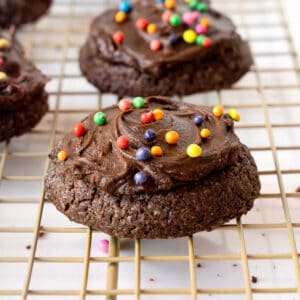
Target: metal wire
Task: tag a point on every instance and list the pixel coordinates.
(70, 36)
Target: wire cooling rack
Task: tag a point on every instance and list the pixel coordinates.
(45, 256)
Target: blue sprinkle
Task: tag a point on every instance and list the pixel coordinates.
(198, 120)
(140, 178)
(149, 135)
(160, 1)
(125, 7)
(143, 154)
(173, 38)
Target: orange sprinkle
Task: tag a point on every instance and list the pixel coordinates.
(218, 111)
(205, 133)
(120, 17)
(205, 22)
(170, 4)
(62, 155)
(156, 151)
(151, 28)
(158, 114)
(172, 137)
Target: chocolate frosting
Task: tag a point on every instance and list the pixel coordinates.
(96, 158)
(135, 51)
(24, 81)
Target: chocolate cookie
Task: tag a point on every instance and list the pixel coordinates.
(17, 12)
(158, 169)
(23, 100)
(155, 51)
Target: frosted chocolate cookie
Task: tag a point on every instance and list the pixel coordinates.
(153, 168)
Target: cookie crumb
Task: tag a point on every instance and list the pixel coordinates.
(253, 279)
(199, 265)
(28, 247)
(263, 234)
(152, 279)
(218, 275)
(298, 189)
(234, 265)
(41, 234)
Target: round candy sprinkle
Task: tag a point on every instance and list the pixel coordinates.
(218, 110)
(120, 17)
(156, 151)
(189, 36)
(118, 37)
(147, 117)
(155, 45)
(140, 178)
(4, 43)
(205, 22)
(202, 7)
(125, 105)
(200, 29)
(160, 1)
(138, 102)
(234, 115)
(193, 4)
(141, 23)
(79, 130)
(100, 118)
(1, 61)
(151, 28)
(205, 133)
(62, 155)
(194, 150)
(3, 76)
(199, 40)
(149, 135)
(187, 18)
(172, 137)
(143, 154)
(198, 120)
(103, 246)
(158, 114)
(206, 42)
(166, 16)
(125, 6)
(170, 4)
(173, 38)
(122, 142)
(195, 14)
(175, 20)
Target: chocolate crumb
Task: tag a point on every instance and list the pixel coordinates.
(274, 267)
(234, 265)
(152, 279)
(254, 279)
(263, 234)
(218, 275)
(28, 247)
(41, 234)
(298, 189)
(199, 265)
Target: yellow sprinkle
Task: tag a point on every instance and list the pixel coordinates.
(194, 151)
(62, 155)
(205, 133)
(156, 151)
(4, 43)
(158, 114)
(234, 115)
(120, 17)
(151, 28)
(3, 76)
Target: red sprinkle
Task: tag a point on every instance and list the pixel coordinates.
(118, 37)
(155, 45)
(141, 23)
(206, 42)
(147, 117)
(125, 105)
(79, 129)
(122, 142)
(1, 61)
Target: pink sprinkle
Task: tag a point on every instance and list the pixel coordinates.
(195, 15)
(166, 16)
(200, 29)
(103, 245)
(188, 18)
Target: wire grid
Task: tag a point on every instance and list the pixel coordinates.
(53, 45)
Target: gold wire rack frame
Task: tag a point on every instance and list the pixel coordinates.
(67, 24)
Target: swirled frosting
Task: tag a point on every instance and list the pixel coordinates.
(96, 157)
(24, 81)
(135, 51)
